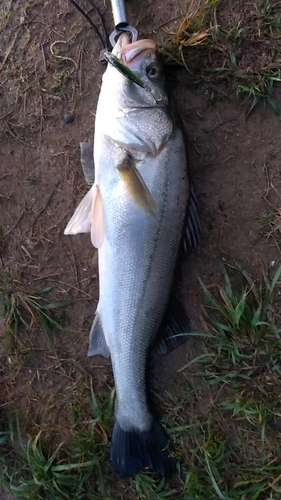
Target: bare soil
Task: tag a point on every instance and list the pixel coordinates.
(49, 67)
(4, 495)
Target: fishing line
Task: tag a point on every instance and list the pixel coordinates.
(95, 8)
(103, 40)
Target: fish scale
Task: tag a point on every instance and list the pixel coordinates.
(141, 253)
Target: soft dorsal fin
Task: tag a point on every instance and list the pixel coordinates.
(135, 186)
(88, 217)
(174, 329)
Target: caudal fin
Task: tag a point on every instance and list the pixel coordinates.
(133, 450)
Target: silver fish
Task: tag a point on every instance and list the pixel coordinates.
(136, 214)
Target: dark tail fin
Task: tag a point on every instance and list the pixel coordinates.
(132, 450)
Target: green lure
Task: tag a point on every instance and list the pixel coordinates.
(122, 68)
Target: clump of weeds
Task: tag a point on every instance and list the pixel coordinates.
(236, 451)
(24, 309)
(60, 82)
(271, 226)
(32, 469)
(243, 54)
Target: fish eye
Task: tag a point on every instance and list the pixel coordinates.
(152, 71)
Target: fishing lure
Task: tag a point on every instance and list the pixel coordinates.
(122, 68)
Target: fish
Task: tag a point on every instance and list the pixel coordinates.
(141, 212)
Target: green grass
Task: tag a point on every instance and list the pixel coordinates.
(271, 227)
(60, 82)
(25, 309)
(55, 77)
(228, 439)
(31, 470)
(231, 44)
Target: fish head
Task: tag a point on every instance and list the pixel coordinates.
(142, 58)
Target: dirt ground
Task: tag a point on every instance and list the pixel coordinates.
(235, 165)
(4, 495)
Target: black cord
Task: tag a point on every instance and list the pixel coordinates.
(94, 7)
(97, 31)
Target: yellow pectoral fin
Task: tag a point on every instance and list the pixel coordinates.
(136, 187)
(97, 221)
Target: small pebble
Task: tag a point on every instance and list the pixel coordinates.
(68, 118)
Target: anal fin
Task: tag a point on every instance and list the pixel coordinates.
(97, 342)
(173, 331)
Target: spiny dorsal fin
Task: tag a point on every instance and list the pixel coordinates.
(135, 186)
(87, 162)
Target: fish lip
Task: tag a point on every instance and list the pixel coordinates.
(123, 40)
(130, 52)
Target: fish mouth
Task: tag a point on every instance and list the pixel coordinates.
(132, 53)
